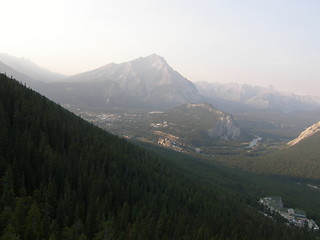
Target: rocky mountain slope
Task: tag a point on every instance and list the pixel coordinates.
(256, 97)
(144, 83)
(309, 132)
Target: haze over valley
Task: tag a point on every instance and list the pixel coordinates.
(120, 97)
(159, 120)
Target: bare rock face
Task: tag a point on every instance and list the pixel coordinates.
(310, 131)
(226, 129)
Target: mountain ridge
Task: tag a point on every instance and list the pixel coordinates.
(29, 68)
(152, 81)
(222, 125)
(134, 68)
(257, 97)
(309, 132)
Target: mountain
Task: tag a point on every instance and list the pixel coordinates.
(28, 68)
(144, 83)
(300, 157)
(309, 132)
(63, 178)
(23, 78)
(9, 71)
(191, 121)
(297, 158)
(257, 97)
(182, 128)
(149, 84)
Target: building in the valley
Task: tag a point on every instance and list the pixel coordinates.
(296, 217)
(273, 202)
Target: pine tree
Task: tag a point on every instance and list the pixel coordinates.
(34, 224)
(10, 234)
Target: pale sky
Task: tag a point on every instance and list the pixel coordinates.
(261, 42)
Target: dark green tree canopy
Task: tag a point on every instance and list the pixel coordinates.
(63, 178)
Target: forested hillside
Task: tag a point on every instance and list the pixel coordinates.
(63, 178)
(300, 160)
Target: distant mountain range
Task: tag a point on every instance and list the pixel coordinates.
(148, 83)
(10, 72)
(182, 110)
(28, 68)
(234, 96)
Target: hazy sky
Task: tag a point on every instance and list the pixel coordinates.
(262, 42)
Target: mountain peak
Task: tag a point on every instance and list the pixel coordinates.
(146, 82)
(154, 61)
(154, 57)
(310, 131)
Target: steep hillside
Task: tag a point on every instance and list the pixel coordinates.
(23, 78)
(298, 158)
(30, 69)
(144, 83)
(301, 159)
(276, 124)
(62, 178)
(309, 132)
(5, 69)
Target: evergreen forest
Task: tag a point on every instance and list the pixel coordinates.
(63, 178)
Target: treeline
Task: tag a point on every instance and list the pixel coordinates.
(63, 178)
